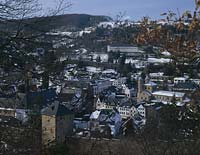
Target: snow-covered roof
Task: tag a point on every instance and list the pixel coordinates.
(180, 78)
(156, 74)
(156, 60)
(166, 53)
(95, 114)
(93, 69)
(109, 71)
(105, 24)
(150, 84)
(168, 93)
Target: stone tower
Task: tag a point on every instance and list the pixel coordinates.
(57, 123)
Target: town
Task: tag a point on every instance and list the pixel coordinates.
(94, 82)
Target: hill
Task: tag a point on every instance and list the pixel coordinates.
(61, 22)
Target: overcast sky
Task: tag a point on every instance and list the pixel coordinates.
(135, 9)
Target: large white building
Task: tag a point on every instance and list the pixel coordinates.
(126, 49)
(168, 96)
(122, 49)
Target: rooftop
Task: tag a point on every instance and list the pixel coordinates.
(168, 93)
(56, 109)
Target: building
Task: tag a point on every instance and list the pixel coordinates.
(129, 92)
(7, 112)
(196, 81)
(142, 95)
(119, 82)
(124, 110)
(100, 85)
(141, 110)
(158, 77)
(104, 121)
(57, 123)
(180, 80)
(125, 49)
(169, 96)
(185, 87)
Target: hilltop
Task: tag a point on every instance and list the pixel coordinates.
(60, 22)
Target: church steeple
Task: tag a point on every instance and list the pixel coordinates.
(140, 85)
(147, 79)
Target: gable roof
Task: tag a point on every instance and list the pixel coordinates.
(169, 93)
(56, 109)
(186, 85)
(44, 96)
(150, 84)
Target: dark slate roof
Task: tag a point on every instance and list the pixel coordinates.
(56, 109)
(9, 121)
(46, 96)
(187, 85)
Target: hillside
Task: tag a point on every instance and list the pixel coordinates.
(61, 22)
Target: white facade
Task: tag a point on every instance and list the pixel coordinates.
(167, 96)
(141, 110)
(119, 82)
(122, 49)
(128, 92)
(180, 80)
(124, 111)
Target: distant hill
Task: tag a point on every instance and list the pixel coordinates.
(60, 22)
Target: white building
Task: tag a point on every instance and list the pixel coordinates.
(122, 49)
(124, 111)
(168, 96)
(141, 110)
(119, 82)
(180, 80)
(126, 49)
(129, 92)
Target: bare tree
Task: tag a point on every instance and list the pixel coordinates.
(178, 38)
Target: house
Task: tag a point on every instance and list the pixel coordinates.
(22, 114)
(141, 110)
(100, 119)
(119, 82)
(129, 92)
(7, 112)
(42, 97)
(57, 123)
(180, 80)
(158, 77)
(19, 114)
(125, 49)
(125, 109)
(196, 81)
